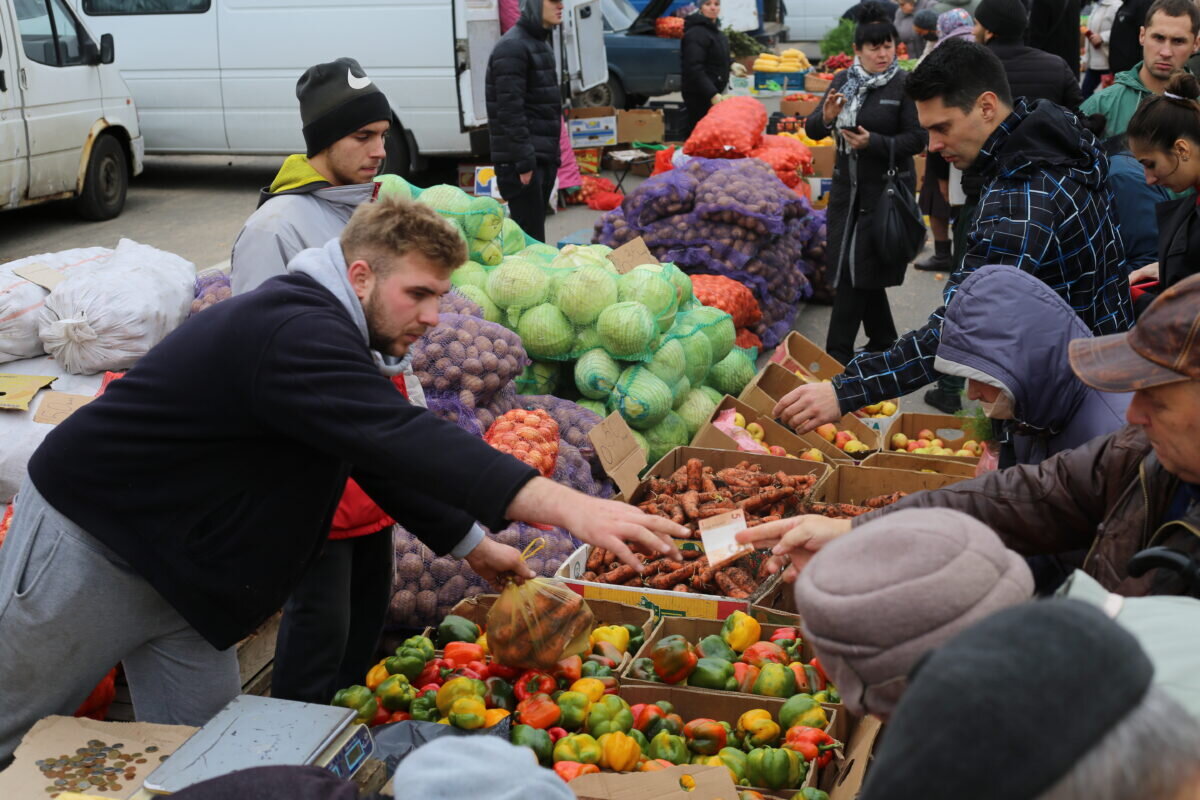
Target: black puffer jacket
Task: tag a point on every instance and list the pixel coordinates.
(1054, 28)
(705, 56)
(523, 102)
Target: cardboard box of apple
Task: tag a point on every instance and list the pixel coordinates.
(926, 444)
(841, 439)
(882, 410)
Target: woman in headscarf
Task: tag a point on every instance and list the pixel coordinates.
(868, 111)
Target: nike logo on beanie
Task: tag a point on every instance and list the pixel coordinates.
(356, 82)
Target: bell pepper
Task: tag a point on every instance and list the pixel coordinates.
(801, 677)
(774, 768)
(533, 682)
(785, 632)
(570, 770)
(755, 728)
(456, 629)
(556, 733)
(811, 794)
(606, 653)
(424, 707)
(749, 794)
(472, 669)
(574, 709)
(713, 673)
(577, 747)
(789, 640)
(459, 654)
(570, 669)
(713, 646)
(396, 693)
(816, 664)
(468, 713)
(816, 677)
(828, 695)
(509, 674)
(735, 762)
(594, 669)
(762, 653)
(453, 689)
(493, 716)
(408, 661)
(746, 675)
(483, 642)
(654, 764)
(538, 711)
(535, 739)
(655, 717)
(637, 637)
(610, 713)
(498, 693)
(740, 630)
(802, 709)
(641, 739)
(642, 669)
(609, 683)
(703, 760)
(432, 673)
(673, 658)
(669, 747)
(812, 743)
(380, 716)
(774, 680)
(377, 675)
(399, 716)
(619, 751)
(421, 643)
(616, 635)
(359, 698)
(592, 687)
(704, 736)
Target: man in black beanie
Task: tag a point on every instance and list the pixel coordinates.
(1049, 700)
(1000, 25)
(345, 120)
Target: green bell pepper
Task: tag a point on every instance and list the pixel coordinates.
(536, 740)
(735, 761)
(578, 747)
(713, 673)
(637, 636)
(775, 680)
(408, 661)
(359, 698)
(669, 747)
(829, 695)
(641, 739)
(499, 694)
(713, 646)
(802, 709)
(774, 768)
(422, 643)
(424, 708)
(642, 669)
(574, 706)
(610, 713)
(594, 669)
(456, 629)
(396, 693)
(812, 794)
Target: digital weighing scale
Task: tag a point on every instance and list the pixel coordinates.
(262, 731)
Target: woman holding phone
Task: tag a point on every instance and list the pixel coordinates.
(868, 112)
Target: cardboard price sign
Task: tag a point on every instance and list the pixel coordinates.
(619, 452)
(631, 255)
(57, 406)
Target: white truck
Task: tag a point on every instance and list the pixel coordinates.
(68, 125)
(219, 76)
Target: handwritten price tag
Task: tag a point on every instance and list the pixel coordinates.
(57, 406)
(717, 534)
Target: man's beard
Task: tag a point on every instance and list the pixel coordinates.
(376, 324)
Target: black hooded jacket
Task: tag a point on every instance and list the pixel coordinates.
(705, 56)
(523, 102)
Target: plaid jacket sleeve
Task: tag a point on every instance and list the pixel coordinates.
(1013, 226)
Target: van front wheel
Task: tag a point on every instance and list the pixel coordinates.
(106, 181)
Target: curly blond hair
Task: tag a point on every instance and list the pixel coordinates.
(391, 227)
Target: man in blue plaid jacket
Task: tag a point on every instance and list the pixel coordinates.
(1046, 208)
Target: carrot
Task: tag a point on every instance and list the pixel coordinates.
(729, 588)
(695, 471)
(766, 498)
(618, 575)
(690, 502)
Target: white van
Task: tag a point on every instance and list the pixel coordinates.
(68, 126)
(219, 76)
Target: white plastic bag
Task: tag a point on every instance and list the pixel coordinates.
(106, 319)
(21, 300)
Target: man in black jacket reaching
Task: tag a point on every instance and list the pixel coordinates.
(524, 109)
(168, 518)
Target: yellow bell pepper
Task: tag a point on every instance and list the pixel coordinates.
(615, 635)
(494, 715)
(377, 675)
(591, 687)
(740, 630)
(482, 642)
(619, 751)
(468, 713)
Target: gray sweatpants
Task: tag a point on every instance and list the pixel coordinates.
(71, 609)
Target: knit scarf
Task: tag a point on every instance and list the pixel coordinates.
(855, 90)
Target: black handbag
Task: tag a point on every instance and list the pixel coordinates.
(899, 225)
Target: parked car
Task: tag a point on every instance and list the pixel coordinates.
(68, 125)
(640, 64)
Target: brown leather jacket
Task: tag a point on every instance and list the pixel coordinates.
(1106, 496)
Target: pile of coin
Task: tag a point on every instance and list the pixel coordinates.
(99, 767)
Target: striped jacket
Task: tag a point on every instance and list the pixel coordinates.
(1046, 208)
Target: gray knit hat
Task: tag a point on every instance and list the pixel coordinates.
(336, 99)
(877, 599)
(926, 19)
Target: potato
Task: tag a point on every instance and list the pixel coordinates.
(452, 590)
(491, 381)
(482, 344)
(433, 350)
(500, 347)
(467, 398)
(453, 374)
(443, 568)
(427, 581)
(426, 607)
(409, 568)
(488, 361)
(456, 351)
(472, 366)
(403, 607)
(474, 385)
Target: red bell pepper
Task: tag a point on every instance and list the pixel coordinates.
(556, 733)
(537, 711)
(746, 675)
(399, 716)
(460, 654)
(569, 669)
(812, 743)
(611, 684)
(761, 653)
(570, 770)
(429, 687)
(802, 686)
(816, 664)
(381, 714)
(784, 633)
(534, 682)
(498, 670)
(431, 674)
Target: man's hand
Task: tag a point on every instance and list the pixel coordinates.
(491, 560)
(600, 523)
(526, 177)
(1143, 274)
(806, 407)
(794, 541)
(832, 107)
(857, 138)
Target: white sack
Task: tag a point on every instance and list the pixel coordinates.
(106, 319)
(20, 300)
